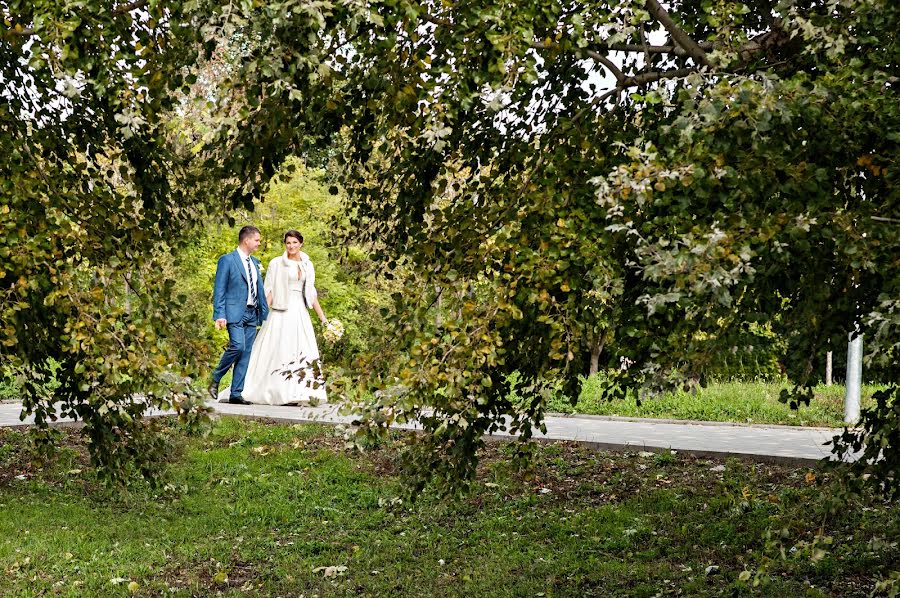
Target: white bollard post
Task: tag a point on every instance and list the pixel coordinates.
(828, 369)
(854, 380)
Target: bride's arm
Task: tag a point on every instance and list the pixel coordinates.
(318, 308)
(269, 283)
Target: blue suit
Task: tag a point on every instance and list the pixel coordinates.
(230, 294)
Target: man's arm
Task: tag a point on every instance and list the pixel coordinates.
(219, 293)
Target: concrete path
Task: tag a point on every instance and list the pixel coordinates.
(757, 442)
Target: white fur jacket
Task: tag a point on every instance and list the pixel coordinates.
(277, 281)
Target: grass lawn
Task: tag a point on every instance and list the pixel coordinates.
(739, 402)
(277, 510)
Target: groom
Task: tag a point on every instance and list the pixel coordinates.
(239, 303)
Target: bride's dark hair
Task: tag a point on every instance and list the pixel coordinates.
(293, 233)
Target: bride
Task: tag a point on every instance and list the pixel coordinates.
(284, 365)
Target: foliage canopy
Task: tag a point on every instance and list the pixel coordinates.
(568, 181)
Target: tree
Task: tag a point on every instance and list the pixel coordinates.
(743, 167)
(95, 195)
(740, 163)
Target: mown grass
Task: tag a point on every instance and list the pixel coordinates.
(264, 510)
(739, 402)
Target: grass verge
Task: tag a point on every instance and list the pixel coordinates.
(265, 510)
(738, 402)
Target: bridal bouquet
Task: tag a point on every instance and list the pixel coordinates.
(334, 330)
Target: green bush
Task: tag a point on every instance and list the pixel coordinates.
(44, 378)
(8, 388)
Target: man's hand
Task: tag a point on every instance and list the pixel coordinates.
(221, 323)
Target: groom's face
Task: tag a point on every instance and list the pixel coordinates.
(251, 243)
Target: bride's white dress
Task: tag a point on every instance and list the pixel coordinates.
(286, 342)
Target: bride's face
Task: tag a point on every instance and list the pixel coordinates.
(292, 246)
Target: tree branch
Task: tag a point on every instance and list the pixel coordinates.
(612, 68)
(436, 20)
(622, 80)
(684, 40)
(597, 102)
(644, 78)
(645, 45)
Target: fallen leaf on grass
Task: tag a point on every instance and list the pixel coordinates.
(332, 571)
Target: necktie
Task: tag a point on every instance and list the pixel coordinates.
(250, 282)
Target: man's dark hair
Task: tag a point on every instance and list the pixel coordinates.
(293, 233)
(246, 231)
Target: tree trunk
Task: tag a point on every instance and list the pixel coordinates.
(596, 350)
(828, 369)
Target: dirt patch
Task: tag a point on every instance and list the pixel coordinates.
(569, 471)
(20, 461)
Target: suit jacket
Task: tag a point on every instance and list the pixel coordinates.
(230, 290)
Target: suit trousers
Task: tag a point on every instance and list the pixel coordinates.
(240, 342)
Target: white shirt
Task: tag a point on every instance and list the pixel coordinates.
(251, 275)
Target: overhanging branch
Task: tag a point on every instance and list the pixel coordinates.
(681, 37)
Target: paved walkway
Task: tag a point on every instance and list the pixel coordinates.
(757, 442)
